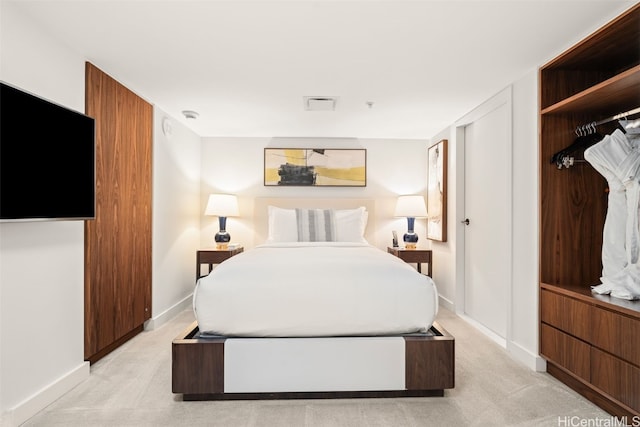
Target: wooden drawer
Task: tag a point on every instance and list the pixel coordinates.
(615, 377)
(566, 351)
(616, 333)
(567, 314)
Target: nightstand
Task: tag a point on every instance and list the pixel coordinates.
(418, 256)
(213, 256)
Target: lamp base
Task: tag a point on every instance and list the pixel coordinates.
(410, 239)
(222, 239)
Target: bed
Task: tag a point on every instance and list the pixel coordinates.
(315, 310)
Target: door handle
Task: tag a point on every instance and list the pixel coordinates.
(465, 221)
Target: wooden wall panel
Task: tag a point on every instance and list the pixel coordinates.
(118, 241)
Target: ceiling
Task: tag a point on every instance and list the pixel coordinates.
(399, 69)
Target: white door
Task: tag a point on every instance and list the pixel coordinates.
(487, 206)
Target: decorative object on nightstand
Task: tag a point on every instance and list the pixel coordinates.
(222, 206)
(412, 207)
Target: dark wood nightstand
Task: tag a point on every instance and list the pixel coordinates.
(418, 256)
(213, 256)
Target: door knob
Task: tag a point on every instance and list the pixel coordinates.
(465, 221)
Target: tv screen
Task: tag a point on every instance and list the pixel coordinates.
(47, 159)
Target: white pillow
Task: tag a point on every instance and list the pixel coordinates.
(350, 225)
(282, 225)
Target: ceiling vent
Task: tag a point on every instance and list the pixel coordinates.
(320, 103)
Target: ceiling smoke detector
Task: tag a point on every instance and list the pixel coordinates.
(320, 103)
(190, 114)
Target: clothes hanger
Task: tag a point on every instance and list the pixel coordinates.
(587, 135)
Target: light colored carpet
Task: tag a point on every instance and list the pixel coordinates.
(132, 387)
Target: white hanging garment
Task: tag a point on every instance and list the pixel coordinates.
(605, 156)
(615, 158)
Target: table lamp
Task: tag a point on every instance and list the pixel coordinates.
(411, 207)
(222, 206)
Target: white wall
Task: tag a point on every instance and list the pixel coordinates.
(41, 263)
(444, 253)
(176, 216)
(235, 165)
(523, 342)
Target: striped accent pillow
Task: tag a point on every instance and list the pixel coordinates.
(316, 225)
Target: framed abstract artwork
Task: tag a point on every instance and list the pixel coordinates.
(437, 191)
(315, 167)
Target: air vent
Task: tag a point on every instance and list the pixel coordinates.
(320, 103)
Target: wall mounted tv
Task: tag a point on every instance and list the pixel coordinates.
(47, 160)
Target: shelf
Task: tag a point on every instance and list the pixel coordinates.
(605, 98)
(631, 308)
(610, 52)
(611, 47)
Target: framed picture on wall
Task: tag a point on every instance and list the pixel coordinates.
(315, 167)
(437, 191)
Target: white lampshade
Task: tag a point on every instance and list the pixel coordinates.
(411, 206)
(222, 205)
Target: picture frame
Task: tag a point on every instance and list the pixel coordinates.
(315, 167)
(437, 191)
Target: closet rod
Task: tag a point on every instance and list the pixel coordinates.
(612, 118)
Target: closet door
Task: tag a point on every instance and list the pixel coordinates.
(118, 241)
(487, 205)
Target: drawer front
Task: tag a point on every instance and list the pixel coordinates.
(617, 333)
(551, 308)
(566, 351)
(415, 256)
(615, 377)
(567, 314)
(216, 257)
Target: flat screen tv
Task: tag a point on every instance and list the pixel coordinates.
(47, 159)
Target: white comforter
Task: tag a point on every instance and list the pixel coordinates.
(314, 289)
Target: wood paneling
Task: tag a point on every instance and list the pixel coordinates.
(118, 241)
(429, 366)
(197, 365)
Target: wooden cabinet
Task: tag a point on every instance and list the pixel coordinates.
(118, 242)
(589, 341)
(594, 339)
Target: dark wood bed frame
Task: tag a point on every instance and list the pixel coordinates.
(198, 369)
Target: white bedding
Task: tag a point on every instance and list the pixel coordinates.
(311, 289)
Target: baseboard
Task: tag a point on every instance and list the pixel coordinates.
(486, 331)
(49, 394)
(532, 361)
(445, 303)
(168, 314)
